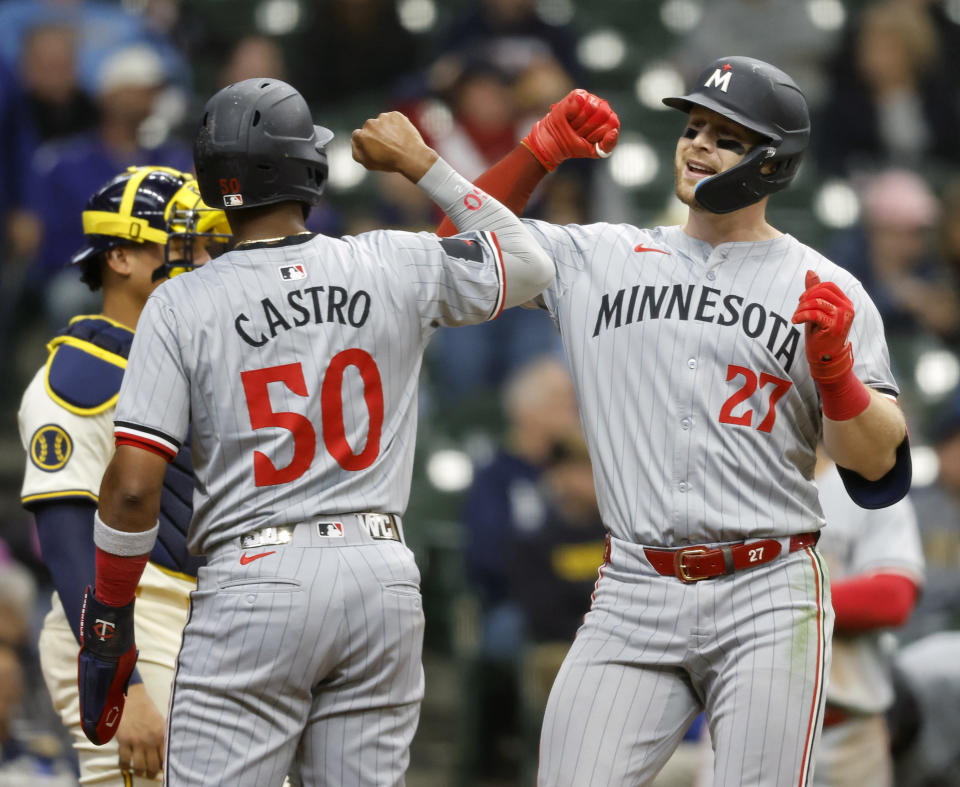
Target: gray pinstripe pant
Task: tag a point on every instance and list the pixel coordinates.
(306, 659)
(751, 648)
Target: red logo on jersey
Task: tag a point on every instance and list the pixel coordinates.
(245, 559)
(641, 247)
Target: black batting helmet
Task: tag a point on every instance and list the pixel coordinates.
(763, 98)
(148, 205)
(257, 145)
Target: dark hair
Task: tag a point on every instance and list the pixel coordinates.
(91, 271)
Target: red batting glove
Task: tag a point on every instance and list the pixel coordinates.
(581, 125)
(828, 315)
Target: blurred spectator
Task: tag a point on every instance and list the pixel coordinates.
(938, 514)
(20, 611)
(102, 28)
(925, 720)
(552, 572)
(28, 758)
(67, 172)
(485, 118)
(506, 498)
(59, 107)
(511, 35)
(892, 100)
(506, 502)
(253, 56)
(352, 49)
(800, 45)
(876, 568)
(17, 597)
(17, 239)
(894, 254)
(950, 226)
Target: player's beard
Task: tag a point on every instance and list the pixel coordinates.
(684, 192)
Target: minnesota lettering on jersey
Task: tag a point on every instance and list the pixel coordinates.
(706, 304)
(310, 305)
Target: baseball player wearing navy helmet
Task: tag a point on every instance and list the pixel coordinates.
(143, 226)
(709, 360)
(294, 361)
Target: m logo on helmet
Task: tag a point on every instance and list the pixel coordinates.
(720, 78)
(232, 200)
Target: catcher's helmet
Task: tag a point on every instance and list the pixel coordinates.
(257, 145)
(150, 205)
(763, 98)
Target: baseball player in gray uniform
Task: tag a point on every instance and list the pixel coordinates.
(709, 360)
(875, 560)
(294, 359)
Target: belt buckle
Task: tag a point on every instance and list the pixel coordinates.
(681, 570)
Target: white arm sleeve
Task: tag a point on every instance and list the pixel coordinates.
(527, 268)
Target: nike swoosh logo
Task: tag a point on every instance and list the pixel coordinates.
(647, 248)
(245, 558)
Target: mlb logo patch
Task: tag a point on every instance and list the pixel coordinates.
(232, 200)
(330, 529)
(292, 272)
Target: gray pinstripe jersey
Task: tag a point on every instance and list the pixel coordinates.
(694, 389)
(298, 366)
(857, 541)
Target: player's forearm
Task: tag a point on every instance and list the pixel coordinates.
(511, 180)
(866, 603)
(527, 268)
(125, 528)
(129, 501)
(868, 442)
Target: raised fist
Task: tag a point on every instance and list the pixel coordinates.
(828, 315)
(581, 125)
(391, 143)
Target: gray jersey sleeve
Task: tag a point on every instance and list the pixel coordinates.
(571, 248)
(154, 404)
(454, 281)
(871, 359)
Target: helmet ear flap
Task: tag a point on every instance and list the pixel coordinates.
(743, 184)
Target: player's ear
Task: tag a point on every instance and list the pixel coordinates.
(118, 260)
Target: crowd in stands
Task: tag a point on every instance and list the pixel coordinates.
(89, 87)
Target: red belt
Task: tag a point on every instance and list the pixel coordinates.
(691, 564)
